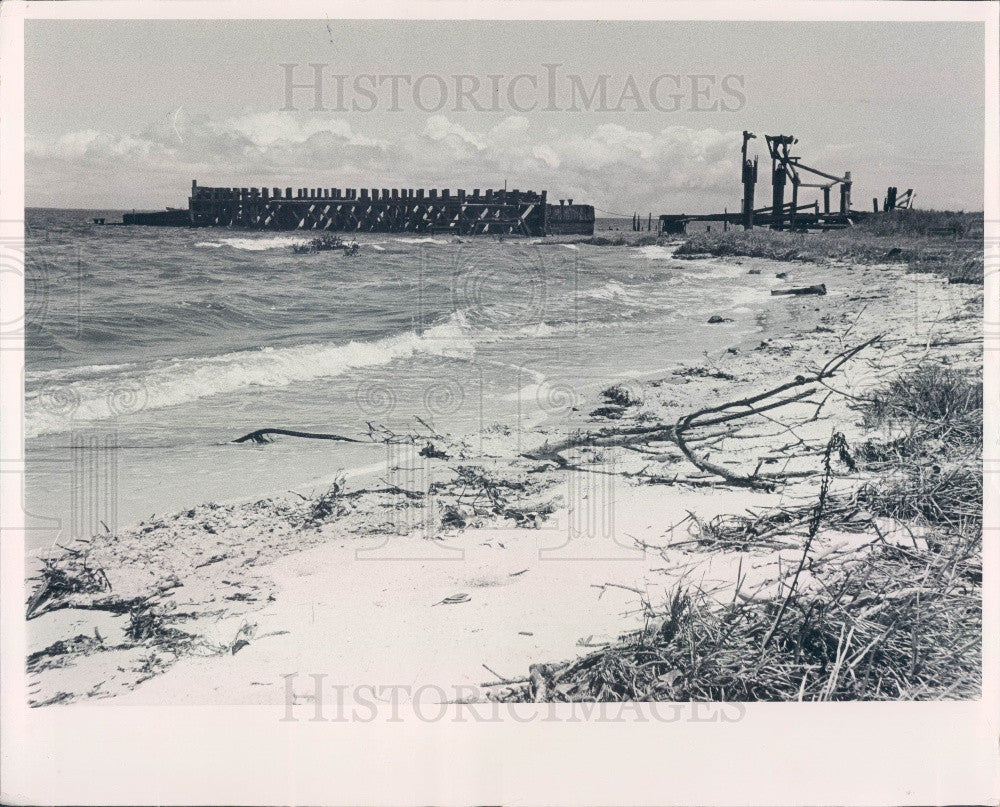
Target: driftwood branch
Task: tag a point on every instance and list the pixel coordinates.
(689, 428)
(264, 436)
(704, 464)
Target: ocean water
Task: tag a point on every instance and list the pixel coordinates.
(149, 349)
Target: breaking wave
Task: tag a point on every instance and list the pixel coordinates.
(253, 244)
(611, 290)
(427, 240)
(654, 252)
(105, 392)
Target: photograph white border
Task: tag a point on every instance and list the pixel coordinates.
(835, 753)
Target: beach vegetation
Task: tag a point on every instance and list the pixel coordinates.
(70, 573)
(621, 395)
(945, 244)
(328, 504)
(897, 616)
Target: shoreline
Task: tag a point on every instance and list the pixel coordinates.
(235, 587)
(189, 438)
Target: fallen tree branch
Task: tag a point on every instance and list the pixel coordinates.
(681, 433)
(706, 465)
(395, 490)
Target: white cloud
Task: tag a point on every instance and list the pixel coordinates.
(91, 145)
(546, 155)
(441, 130)
(610, 165)
(268, 128)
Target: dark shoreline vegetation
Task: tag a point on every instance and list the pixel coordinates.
(892, 622)
(928, 241)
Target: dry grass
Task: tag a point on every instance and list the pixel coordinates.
(927, 467)
(911, 237)
(932, 403)
(885, 622)
(69, 573)
(625, 239)
(620, 395)
(476, 495)
(895, 625)
(923, 223)
(327, 505)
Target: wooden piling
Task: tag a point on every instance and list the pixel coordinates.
(749, 180)
(845, 194)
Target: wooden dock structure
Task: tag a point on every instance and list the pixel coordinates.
(390, 210)
(780, 214)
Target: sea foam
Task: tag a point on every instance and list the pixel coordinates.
(253, 244)
(654, 252)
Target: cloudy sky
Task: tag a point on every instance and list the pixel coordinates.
(626, 116)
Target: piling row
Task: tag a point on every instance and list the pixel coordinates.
(370, 209)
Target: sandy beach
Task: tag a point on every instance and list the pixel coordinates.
(458, 564)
